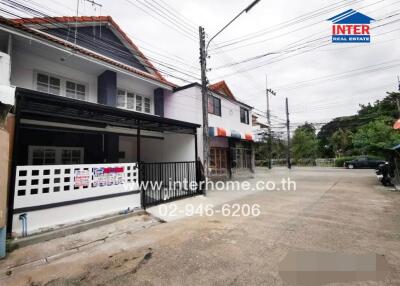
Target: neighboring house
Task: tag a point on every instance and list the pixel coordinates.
(230, 126)
(88, 107)
(260, 128)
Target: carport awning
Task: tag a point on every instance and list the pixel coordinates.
(47, 107)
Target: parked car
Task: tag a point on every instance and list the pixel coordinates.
(363, 162)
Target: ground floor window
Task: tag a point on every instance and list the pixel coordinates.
(242, 158)
(51, 155)
(218, 160)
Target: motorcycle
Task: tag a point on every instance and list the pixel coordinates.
(383, 174)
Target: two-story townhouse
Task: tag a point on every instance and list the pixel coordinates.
(88, 107)
(230, 126)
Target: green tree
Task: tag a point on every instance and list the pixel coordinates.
(341, 141)
(376, 136)
(304, 142)
(385, 107)
(278, 148)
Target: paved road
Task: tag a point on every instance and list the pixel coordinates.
(332, 211)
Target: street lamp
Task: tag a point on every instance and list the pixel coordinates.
(204, 82)
(230, 22)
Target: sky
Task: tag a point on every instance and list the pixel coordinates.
(322, 80)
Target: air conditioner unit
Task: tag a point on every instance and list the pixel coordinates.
(7, 92)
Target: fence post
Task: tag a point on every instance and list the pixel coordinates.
(140, 180)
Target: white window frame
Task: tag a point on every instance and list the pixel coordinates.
(247, 118)
(49, 76)
(63, 84)
(125, 106)
(58, 153)
(76, 89)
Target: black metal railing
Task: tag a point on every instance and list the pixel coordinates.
(167, 181)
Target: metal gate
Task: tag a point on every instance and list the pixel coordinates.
(168, 181)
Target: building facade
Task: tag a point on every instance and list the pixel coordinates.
(230, 127)
(89, 123)
(93, 119)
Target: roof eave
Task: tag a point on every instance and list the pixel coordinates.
(108, 62)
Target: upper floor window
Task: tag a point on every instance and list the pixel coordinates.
(244, 115)
(132, 101)
(60, 86)
(147, 105)
(139, 103)
(49, 84)
(75, 90)
(214, 105)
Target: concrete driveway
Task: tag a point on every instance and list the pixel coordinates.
(332, 211)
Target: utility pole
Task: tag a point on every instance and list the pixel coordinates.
(267, 91)
(289, 165)
(204, 83)
(204, 100)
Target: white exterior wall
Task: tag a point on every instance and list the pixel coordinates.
(25, 64)
(48, 219)
(186, 105)
(137, 87)
(35, 186)
(173, 148)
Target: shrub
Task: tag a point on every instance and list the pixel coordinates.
(339, 162)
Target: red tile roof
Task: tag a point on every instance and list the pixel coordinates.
(23, 24)
(223, 88)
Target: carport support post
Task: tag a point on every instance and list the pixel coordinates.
(140, 168)
(11, 190)
(138, 143)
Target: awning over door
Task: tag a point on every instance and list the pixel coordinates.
(223, 132)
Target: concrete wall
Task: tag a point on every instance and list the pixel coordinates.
(76, 190)
(42, 220)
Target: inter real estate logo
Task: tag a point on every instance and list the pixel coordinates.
(350, 27)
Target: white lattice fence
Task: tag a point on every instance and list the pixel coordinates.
(50, 184)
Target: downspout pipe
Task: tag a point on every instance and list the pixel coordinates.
(24, 220)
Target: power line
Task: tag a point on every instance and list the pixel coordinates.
(105, 44)
(277, 27)
(299, 47)
(295, 30)
(292, 49)
(346, 74)
(163, 20)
